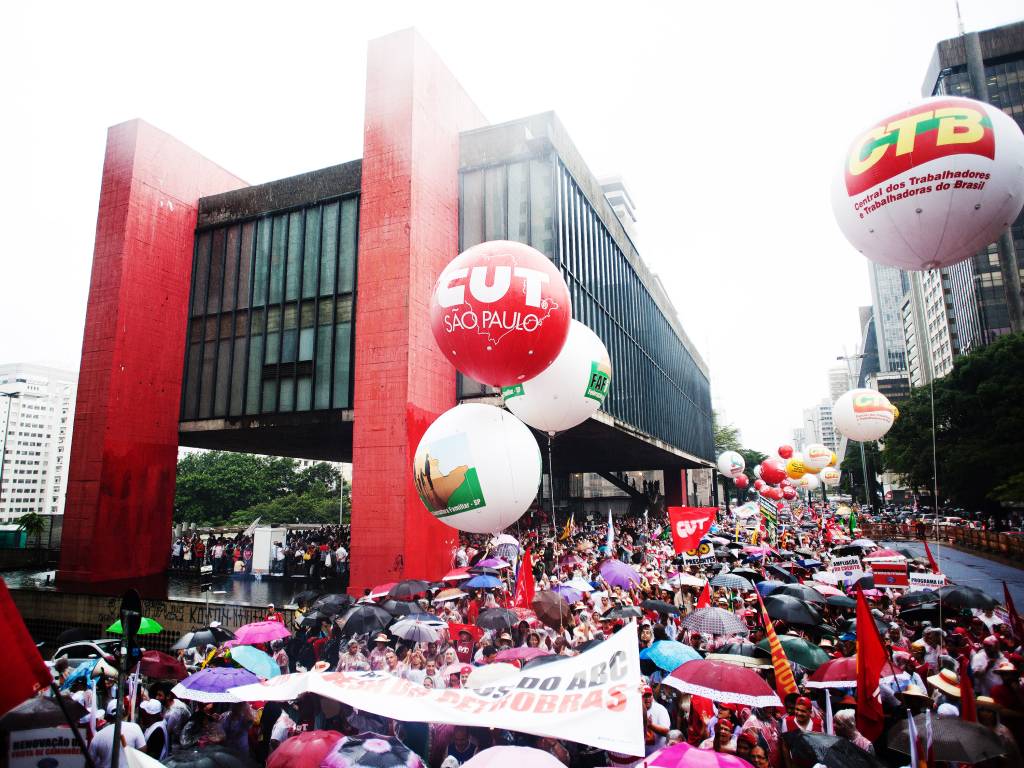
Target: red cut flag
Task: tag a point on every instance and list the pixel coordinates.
(704, 601)
(870, 660)
(968, 704)
(931, 560)
(784, 682)
(524, 582)
(1015, 620)
(25, 672)
(689, 524)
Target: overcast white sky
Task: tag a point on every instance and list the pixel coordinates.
(727, 121)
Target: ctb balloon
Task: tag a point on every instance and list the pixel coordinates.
(863, 414)
(500, 312)
(773, 493)
(477, 468)
(932, 185)
(731, 464)
(829, 477)
(773, 471)
(816, 457)
(569, 390)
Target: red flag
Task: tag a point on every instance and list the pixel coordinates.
(689, 524)
(704, 601)
(1015, 620)
(524, 582)
(931, 560)
(25, 672)
(968, 704)
(784, 682)
(870, 659)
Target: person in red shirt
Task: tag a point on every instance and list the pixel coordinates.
(801, 719)
(273, 614)
(464, 647)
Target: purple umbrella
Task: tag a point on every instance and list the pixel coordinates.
(261, 632)
(211, 685)
(617, 574)
(571, 595)
(492, 562)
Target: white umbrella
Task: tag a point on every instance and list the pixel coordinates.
(685, 580)
(580, 585)
(415, 631)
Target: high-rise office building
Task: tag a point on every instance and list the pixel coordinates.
(888, 285)
(838, 382)
(36, 415)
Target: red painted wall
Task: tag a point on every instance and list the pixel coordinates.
(117, 522)
(408, 231)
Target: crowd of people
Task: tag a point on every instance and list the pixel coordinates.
(929, 649)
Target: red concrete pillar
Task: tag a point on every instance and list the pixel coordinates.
(408, 231)
(117, 521)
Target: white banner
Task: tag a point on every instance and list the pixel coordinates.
(593, 698)
(888, 560)
(930, 580)
(847, 563)
(54, 747)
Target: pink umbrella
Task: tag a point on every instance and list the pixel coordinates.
(514, 757)
(382, 589)
(757, 550)
(261, 632)
(825, 589)
(838, 673)
(723, 682)
(457, 574)
(682, 755)
(521, 654)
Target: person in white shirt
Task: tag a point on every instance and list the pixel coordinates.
(101, 748)
(657, 722)
(151, 720)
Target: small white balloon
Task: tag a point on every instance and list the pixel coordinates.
(817, 456)
(477, 468)
(807, 483)
(731, 464)
(830, 477)
(863, 414)
(569, 390)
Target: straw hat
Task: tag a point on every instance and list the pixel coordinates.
(916, 692)
(947, 681)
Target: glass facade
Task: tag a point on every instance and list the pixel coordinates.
(270, 320)
(657, 386)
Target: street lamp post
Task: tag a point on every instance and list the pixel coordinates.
(863, 459)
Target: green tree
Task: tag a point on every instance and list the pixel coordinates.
(33, 525)
(727, 437)
(320, 478)
(293, 508)
(852, 481)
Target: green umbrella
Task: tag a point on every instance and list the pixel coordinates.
(799, 651)
(148, 626)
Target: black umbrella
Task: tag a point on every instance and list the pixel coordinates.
(74, 635)
(960, 597)
(551, 609)
(840, 601)
(808, 749)
(41, 712)
(801, 592)
(497, 619)
(731, 581)
(782, 574)
(332, 605)
(805, 552)
(313, 619)
(791, 609)
(865, 582)
(200, 638)
(851, 625)
(363, 619)
(916, 598)
(541, 660)
(401, 607)
(623, 612)
(306, 597)
(744, 649)
(589, 644)
(849, 549)
(660, 606)
(927, 612)
(408, 589)
(953, 740)
(749, 573)
(210, 756)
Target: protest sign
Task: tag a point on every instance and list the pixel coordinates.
(845, 567)
(889, 574)
(52, 747)
(930, 580)
(689, 524)
(702, 555)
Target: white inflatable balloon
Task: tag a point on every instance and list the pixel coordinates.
(863, 414)
(477, 468)
(829, 477)
(932, 185)
(731, 464)
(816, 457)
(569, 390)
(807, 483)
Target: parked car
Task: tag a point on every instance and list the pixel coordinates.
(88, 649)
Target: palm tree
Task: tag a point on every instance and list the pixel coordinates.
(33, 525)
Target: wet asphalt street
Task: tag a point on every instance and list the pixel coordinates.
(972, 570)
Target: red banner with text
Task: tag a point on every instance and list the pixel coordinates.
(689, 524)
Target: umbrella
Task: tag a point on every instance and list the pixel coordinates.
(313, 619)
(306, 597)
(960, 597)
(782, 574)
(408, 589)
(457, 574)
(211, 685)
(332, 605)
(483, 582)
(714, 621)
(916, 598)
(759, 551)
(617, 574)
(371, 750)
(723, 682)
(683, 755)
(497, 619)
(623, 612)
(41, 712)
(363, 620)
(210, 756)
(580, 585)
(809, 749)
(255, 660)
(571, 561)
(731, 581)
(415, 631)
(927, 612)
(766, 588)
(801, 592)
(493, 562)
(851, 625)
(569, 594)
(87, 670)
(551, 609)
(881, 553)
(522, 653)
(953, 740)
(848, 549)
(161, 666)
(744, 649)
(482, 570)
(840, 601)
(826, 590)
(660, 606)
(304, 750)
(742, 661)
(685, 580)
(863, 543)
(837, 673)
(513, 757)
(449, 594)
(381, 590)
(401, 607)
(799, 651)
(668, 654)
(147, 626)
(200, 638)
(748, 573)
(261, 632)
(74, 635)
(474, 631)
(791, 610)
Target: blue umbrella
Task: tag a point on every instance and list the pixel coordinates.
(255, 660)
(767, 587)
(668, 654)
(482, 582)
(808, 563)
(83, 670)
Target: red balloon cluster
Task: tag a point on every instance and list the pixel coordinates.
(741, 481)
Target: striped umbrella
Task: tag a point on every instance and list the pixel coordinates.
(731, 581)
(714, 621)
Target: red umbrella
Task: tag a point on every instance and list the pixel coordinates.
(306, 750)
(474, 631)
(723, 682)
(457, 574)
(838, 673)
(160, 666)
(878, 553)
